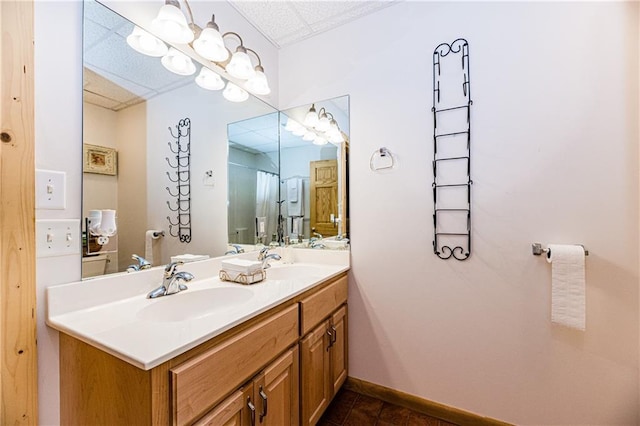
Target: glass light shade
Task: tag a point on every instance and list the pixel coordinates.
(95, 217)
(211, 46)
(234, 93)
(240, 66)
(311, 119)
(108, 223)
(319, 140)
(309, 136)
(299, 131)
(209, 80)
(145, 43)
(335, 135)
(171, 25)
(323, 123)
(258, 84)
(177, 62)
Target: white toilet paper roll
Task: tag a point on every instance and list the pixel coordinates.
(151, 246)
(568, 285)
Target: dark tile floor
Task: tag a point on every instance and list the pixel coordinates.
(349, 408)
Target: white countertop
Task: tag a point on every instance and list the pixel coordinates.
(106, 312)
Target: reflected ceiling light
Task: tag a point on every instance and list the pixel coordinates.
(178, 63)
(145, 43)
(171, 23)
(209, 80)
(311, 119)
(321, 127)
(234, 93)
(319, 140)
(210, 44)
(323, 121)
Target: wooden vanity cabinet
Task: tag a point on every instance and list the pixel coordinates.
(270, 399)
(323, 350)
(212, 384)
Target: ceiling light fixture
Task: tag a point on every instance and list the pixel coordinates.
(210, 44)
(145, 43)
(178, 63)
(171, 24)
(320, 126)
(240, 65)
(258, 84)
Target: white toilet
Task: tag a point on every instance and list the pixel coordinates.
(94, 265)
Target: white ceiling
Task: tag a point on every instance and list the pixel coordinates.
(287, 22)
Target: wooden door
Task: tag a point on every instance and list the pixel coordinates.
(324, 196)
(233, 411)
(314, 371)
(339, 349)
(276, 392)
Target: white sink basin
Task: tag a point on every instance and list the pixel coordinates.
(190, 304)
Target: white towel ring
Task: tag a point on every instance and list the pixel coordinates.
(382, 153)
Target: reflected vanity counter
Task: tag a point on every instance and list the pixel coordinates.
(113, 314)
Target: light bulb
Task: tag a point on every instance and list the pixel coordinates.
(309, 136)
(258, 84)
(171, 24)
(178, 63)
(209, 80)
(145, 43)
(299, 131)
(240, 65)
(292, 125)
(210, 44)
(234, 93)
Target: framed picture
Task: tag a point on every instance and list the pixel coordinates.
(99, 159)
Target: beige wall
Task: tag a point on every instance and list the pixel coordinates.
(554, 160)
(131, 136)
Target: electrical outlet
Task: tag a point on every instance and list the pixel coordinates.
(57, 237)
(50, 190)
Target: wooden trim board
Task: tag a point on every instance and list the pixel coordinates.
(18, 356)
(424, 406)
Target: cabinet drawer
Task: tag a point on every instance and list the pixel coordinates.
(318, 306)
(201, 382)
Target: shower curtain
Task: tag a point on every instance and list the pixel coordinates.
(267, 202)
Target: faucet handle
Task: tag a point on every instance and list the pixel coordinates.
(171, 267)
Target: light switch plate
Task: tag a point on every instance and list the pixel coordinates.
(57, 237)
(50, 190)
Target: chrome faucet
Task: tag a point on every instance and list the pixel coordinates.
(142, 264)
(171, 281)
(316, 234)
(236, 249)
(265, 257)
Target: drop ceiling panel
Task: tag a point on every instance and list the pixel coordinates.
(287, 22)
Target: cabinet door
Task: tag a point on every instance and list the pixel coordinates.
(276, 392)
(316, 383)
(339, 357)
(233, 411)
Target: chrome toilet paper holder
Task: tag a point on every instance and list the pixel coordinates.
(537, 250)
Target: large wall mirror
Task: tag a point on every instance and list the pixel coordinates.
(239, 192)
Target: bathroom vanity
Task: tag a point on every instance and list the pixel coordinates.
(274, 357)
